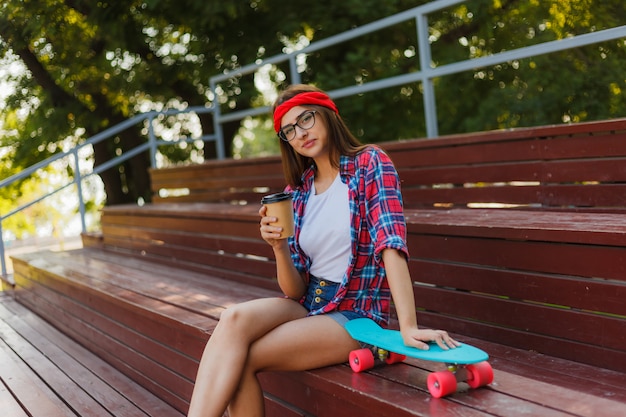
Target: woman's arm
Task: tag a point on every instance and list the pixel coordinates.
(401, 287)
(291, 282)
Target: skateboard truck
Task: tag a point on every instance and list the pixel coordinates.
(443, 383)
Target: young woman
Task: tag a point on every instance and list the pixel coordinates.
(347, 257)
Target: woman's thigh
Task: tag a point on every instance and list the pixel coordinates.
(253, 319)
(301, 344)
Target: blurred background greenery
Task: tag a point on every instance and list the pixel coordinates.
(71, 68)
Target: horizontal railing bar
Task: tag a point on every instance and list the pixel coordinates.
(342, 37)
(30, 203)
(530, 51)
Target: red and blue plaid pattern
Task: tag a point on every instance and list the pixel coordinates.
(377, 223)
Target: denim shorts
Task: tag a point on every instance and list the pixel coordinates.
(319, 293)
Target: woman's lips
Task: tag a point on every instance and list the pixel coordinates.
(308, 143)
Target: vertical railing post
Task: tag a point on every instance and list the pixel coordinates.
(430, 104)
(152, 140)
(293, 69)
(78, 179)
(3, 261)
(219, 135)
(217, 123)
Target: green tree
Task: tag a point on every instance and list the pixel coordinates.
(577, 85)
(572, 86)
(93, 64)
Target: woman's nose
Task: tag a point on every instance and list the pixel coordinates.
(302, 132)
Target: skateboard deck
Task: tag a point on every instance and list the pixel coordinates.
(465, 363)
(368, 331)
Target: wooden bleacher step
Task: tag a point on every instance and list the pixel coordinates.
(45, 373)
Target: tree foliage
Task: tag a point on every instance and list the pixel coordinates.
(92, 64)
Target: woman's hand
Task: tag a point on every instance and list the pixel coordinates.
(419, 338)
(269, 233)
(291, 282)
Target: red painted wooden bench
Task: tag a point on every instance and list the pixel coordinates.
(520, 232)
(517, 242)
(45, 373)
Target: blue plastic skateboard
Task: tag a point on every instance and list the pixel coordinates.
(390, 348)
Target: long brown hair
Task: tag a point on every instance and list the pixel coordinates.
(340, 140)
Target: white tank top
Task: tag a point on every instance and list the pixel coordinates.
(325, 236)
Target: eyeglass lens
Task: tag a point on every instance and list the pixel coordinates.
(305, 122)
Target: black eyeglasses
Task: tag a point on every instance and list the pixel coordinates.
(305, 122)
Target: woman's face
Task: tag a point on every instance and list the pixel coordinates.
(311, 142)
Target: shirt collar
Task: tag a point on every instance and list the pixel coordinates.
(347, 165)
(347, 168)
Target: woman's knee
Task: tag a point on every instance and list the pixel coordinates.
(249, 321)
(236, 318)
(256, 316)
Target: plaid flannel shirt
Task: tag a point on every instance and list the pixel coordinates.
(377, 222)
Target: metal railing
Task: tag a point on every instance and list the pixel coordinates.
(425, 76)
(81, 174)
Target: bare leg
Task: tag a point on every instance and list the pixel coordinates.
(308, 343)
(226, 352)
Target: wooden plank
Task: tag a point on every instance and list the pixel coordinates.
(220, 196)
(442, 154)
(599, 330)
(224, 167)
(603, 145)
(188, 235)
(87, 323)
(482, 151)
(538, 196)
(167, 385)
(510, 395)
(600, 195)
(261, 171)
(574, 402)
(521, 154)
(204, 241)
(81, 380)
(193, 211)
(582, 294)
(108, 324)
(576, 260)
(587, 228)
(21, 382)
(232, 275)
(152, 374)
(274, 407)
(470, 173)
(485, 401)
(244, 263)
(248, 228)
(9, 404)
(236, 181)
(156, 238)
(110, 387)
(584, 129)
(193, 292)
(80, 285)
(68, 377)
(123, 316)
(545, 344)
(568, 171)
(356, 394)
(575, 376)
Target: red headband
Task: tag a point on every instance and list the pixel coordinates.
(320, 99)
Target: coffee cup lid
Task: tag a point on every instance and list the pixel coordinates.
(275, 198)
